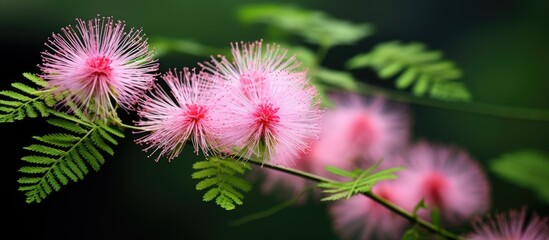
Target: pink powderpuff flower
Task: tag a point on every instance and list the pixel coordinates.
(360, 216)
(446, 178)
(97, 62)
(269, 109)
(171, 121)
(356, 133)
(363, 130)
(511, 226)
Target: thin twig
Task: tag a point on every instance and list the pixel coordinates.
(396, 209)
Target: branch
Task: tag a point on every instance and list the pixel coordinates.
(397, 210)
(470, 107)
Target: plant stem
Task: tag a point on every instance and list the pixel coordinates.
(470, 107)
(321, 53)
(131, 127)
(397, 210)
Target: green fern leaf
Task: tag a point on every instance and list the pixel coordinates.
(57, 172)
(210, 194)
(25, 101)
(83, 151)
(67, 125)
(67, 171)
(74, 168)
(28, 180)
(361, 181)
(35, 79)
(39, 159)
(11, 103)
(24, 88)
(34, 170)
(65, 157)
(107, 136)
(206, 183)
(15, 96)
(58, 140)
(425, 71)
(44, 149)
(94, 152)
(98, 142)
(112, 130)
(224, 180)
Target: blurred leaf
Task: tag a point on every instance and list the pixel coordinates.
(435, 217)
(304, 55)
(164, 46)
(339, 79)
(314, 26)
(527, 168)
(425, 70)
(420, 205)
(411, 234)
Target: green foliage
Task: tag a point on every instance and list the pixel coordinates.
(59, 158)
(361, 181)
(184, 46)
(425, 70)
(526, 168)
(223, 178)
(338, 79)
(25, 101)
(414, 232)
(411, 234)
(325, 79)
(314, 26)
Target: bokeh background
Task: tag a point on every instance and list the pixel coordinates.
(500, 45)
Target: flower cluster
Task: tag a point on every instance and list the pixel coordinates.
(258, 105)
(357, 133)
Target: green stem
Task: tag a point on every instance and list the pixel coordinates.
(131, 127)
(396, 209)
(470, 107)
(321, 53)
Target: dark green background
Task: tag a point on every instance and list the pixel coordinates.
(500, 45)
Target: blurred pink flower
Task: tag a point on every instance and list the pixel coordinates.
(511, 226)
(360, 216)
(269, 110)
(363, 130)
(171, 121)
(446, 178)
(97, 62)
(356, 133)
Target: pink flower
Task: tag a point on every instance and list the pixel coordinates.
(363, 130)
(269, 110)
(171, 121)
(512, 226)
(360, 216)
(356, 133)
(97, 62)
(446, 178)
